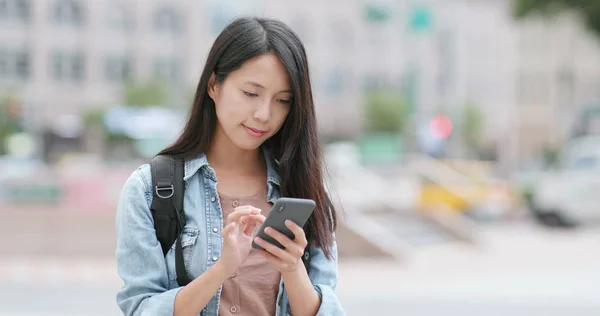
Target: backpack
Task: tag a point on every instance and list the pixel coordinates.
(168, 189)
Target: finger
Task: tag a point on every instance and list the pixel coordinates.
(251, 222)
(281, 254)
(281, 238)
(240, 211)
(252, 218)
(299, 235)
(228, 229)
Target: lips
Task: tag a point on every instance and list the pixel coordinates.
(254, 132)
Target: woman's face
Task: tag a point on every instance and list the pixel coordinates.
(253, 101)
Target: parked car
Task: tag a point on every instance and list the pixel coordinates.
(569, 194)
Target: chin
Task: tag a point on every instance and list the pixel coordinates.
(248, 145)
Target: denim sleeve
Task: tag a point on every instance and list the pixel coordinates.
(324, 273)
(140, 261)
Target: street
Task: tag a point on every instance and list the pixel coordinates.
(518, 269)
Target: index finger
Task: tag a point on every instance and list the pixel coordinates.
(299, 235)
(259, 218)
(238, 212)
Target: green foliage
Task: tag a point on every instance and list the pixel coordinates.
(385, 111)
(550, 156)
(472, 125)
(152, 93)
(94, 117)
(588, 10)
(4, 128)
(8, 125)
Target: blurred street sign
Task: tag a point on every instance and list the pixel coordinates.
(420, 18)
(374, 13)
(32, 193)
(381, 148)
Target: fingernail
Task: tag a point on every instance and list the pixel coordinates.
(288, 222)
(268, 229)
(254, 211)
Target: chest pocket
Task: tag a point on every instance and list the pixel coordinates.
(189, 237)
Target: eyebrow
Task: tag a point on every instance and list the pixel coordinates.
(258, 85)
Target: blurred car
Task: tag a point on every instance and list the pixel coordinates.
(570, 194)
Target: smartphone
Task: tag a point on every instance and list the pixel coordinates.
(296, 210)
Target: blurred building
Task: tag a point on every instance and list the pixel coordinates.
(65, 56)
(559, 74)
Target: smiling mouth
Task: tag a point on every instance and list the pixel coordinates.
(254, 132)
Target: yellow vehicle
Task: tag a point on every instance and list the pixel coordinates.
(476, 189)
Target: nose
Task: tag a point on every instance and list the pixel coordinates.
(263, 112)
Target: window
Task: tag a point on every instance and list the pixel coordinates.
(167, 20)
(4, 64)
(118, 18)
(22, 65)
(221, 12)
(118, 68)
(68, 12)
(68, 66)
(16, 10)
(14, 64)
(168, 69)
(334, 82)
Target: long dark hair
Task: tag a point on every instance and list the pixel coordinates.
(296, 146)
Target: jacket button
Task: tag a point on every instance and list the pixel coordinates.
(212, 199)
(235, 203)
(233, 309)
(215, 258)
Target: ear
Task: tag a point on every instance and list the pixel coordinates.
(213, 87)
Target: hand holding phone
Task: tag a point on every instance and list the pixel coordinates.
(294, 209)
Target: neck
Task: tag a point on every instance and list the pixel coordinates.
(225, 155)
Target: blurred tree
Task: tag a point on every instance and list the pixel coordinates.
(386, 121)
(550, 156)
(10, 118)
(472, 125)
(4, 128)
(385, 111)
(152, 93)
(589, 10)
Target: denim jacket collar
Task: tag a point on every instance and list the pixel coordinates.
(192, 166)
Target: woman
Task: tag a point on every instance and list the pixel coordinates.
(252, 127)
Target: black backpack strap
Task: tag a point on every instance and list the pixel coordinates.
(168, 188)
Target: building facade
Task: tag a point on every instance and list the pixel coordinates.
(69, 56)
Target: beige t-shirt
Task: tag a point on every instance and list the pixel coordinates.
(253, 289)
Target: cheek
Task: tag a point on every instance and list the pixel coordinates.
(229, 110)
(279, 115)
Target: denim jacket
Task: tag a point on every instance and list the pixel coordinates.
(150, 284)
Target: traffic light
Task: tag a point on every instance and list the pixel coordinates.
(440, 127)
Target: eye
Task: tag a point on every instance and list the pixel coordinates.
(283, 101)
(250, 94)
